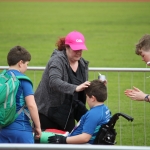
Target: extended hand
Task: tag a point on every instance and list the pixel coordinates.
(135, 94)
(57, 139)
(38, 132)
(82, 86)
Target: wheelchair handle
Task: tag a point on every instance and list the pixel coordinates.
(115, 117)
(129, 118)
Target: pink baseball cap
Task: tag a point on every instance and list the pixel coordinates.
(75, 40)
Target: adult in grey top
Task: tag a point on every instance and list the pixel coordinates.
(60, 94)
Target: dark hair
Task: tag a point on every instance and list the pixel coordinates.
(144, 44)
(61, 44)
(98, 89)
(16, 54)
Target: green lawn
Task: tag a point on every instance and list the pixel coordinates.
(111, 31)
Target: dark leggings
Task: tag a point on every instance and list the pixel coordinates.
(46, 123)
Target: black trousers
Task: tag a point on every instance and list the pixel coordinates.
(46, 123)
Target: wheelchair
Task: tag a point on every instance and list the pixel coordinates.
(107, 133)
(105, 136)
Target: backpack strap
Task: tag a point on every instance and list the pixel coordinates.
(22, 109)
(25, 111)
(13, 75)
(25, 78)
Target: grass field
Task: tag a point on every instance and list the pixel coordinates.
(111, 30)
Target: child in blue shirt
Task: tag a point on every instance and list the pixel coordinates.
(87, 128)
(21, 131)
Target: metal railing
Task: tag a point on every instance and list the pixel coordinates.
(94, 69)
(68, 147)
(121, 75)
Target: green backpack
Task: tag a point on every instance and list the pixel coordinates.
(8, 89)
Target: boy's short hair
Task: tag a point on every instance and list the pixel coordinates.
(98, 89)
(16, 54)
(144, 44)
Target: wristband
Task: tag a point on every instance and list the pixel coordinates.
(146, 98)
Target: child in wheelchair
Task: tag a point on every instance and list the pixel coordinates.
(86, 129)
(96, 126)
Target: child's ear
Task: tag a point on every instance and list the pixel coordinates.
(20, 63)
(93, 98)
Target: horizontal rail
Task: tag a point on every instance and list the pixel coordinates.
(77, 146)
(68, 147)
(95, 69)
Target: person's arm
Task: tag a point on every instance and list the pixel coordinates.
(57, 77)
(30, 102)
(77, 139)
(57, 71)
(82, 86)
(137, 94)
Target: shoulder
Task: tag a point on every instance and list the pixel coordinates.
(20, 76)
(13, 71)
(58, 58)
(25, 80)
(96, 110)
(58, 54)
(25, 83)
(83, 61)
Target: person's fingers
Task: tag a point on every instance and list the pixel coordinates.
(87, 83)
(136, 89)
(37, 136)
(82, 86)
(127, 92)
(130, 94)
